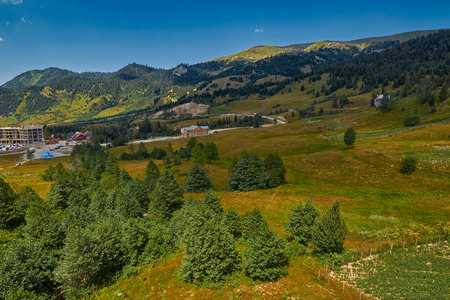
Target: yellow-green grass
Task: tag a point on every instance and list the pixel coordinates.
(28, 174)
(254, 53)
(365, 178)
(379, 203)
(161, 282)
(111, 111)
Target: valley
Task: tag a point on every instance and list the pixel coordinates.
(118, 222)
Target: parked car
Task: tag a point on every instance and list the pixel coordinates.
(63, 148)
(18, 164)
(52, 149)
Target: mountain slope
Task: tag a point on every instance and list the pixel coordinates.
(54, 95)
(253, 54)
(48, 76)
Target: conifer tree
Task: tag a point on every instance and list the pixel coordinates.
(232, 221)
(210, 253)
(197, 180)
(197, 155)
(7, 198)
(329, 232)
(151, 175)
(407, 86)
(350, 137)
(166, 197)
(191, 143)
(301, 222)
(213, 203)
(131, 148)
(266, 256)
(275, 169)
(443, 93)
(211, 152)
(247, 173)
(251, 221)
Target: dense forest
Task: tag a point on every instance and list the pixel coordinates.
(431, 54)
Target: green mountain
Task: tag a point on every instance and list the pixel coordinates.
(373, 43)
(48, 76)
(53, 95)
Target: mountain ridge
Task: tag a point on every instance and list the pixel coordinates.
(89, 96)
(53, 74)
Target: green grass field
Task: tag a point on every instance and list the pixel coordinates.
(380, 205)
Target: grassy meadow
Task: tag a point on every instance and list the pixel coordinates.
(380, 205)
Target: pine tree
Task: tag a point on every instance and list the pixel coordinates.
(251, 221)
(329, 232)
(7, 198)
(232, 221)
(266, 256)
(421, 74)
(151, 175)
(301, 222)
(166, 197)
(321, 111)
(443, 93)
(131, 148)
(191, 143)
(213, 203)
(407, 86)
(210, 253)
(211, 152)
(247, 173)
(372, 102)
(197, 181)
(275, 169)
(350, 137)
(197, 155)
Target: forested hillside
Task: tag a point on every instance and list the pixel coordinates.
(53, 95)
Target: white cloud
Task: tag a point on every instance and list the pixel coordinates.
(23, 20)
(13, 2)
(7, 23)
(1, 40)
(259, 30)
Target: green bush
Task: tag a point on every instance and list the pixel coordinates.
(409, 165)
(412, 120)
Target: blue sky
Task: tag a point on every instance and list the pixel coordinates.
(98, 35)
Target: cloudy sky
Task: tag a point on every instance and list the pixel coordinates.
(88, 35)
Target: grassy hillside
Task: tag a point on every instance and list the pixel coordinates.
(379, 204)
(254, 53)
(53, 95)
(47, 76)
